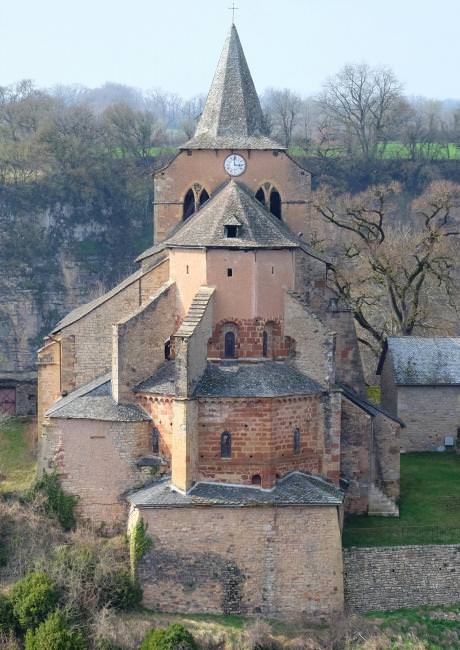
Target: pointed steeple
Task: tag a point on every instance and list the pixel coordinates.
(232, 116)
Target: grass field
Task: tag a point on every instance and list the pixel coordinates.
(397, 150)
(437, 628)
(429, 506)
(17, 455)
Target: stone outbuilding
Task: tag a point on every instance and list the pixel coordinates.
(420, 383)
(18, 392)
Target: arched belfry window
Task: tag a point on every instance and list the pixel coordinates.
(275, 203)
(189, 204)
(226, 445)
(204, 196)
(260, 195)
(296, 444)
(230, 345)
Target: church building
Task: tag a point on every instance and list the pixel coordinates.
(217, 393)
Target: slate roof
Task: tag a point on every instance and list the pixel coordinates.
(423, 361)
(259, 228)
(82, 310)
(232, 117)
(162, 382)
(94, 401)
(371, 409)
(261, 379)
(295, 489)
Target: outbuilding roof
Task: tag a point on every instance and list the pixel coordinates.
(232, 117)
(294, 489)
(428, 361)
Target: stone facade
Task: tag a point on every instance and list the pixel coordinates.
(401, 576)
(96, 460)
(244, 561)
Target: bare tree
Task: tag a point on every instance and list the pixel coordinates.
(364, 103)
(397, 278)
(283, 108)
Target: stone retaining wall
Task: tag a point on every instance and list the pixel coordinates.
(401, 576)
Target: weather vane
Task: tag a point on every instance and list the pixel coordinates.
(233, 8)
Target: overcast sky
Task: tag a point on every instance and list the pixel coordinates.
(174, 44)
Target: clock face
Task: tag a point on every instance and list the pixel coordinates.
(235, 165)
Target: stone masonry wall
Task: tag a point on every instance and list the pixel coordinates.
(387, 455)
(93, 332)
(262, 431)
(430, 413)
(355, 456)
(314, 343)
(275, 562)
(96, 460)
(401, 576)
(249, 339)
(348, 365)
(139, 342)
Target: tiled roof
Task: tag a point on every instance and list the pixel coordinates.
(295, 489)
(425, 361)
(88, 307)
(94, 401)
(371, 409)
(261, 379)
(259, 228)
(232, 117)
(162, 382)
(236, 379)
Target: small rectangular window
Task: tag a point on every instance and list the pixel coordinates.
(231, 232)
(229, 272)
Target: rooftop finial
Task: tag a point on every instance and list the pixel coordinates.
(233, 8)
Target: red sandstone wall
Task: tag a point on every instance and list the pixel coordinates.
(262, 438)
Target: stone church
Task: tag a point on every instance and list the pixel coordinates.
(217, 392)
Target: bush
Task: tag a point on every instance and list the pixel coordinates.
(57, 503)
(7, 620)
(55, 634)
(122, 592)
(33, 598)
(174, 637)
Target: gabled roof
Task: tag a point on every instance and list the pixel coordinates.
(258, 229)
(295, 489)
(371, 409)
(94, 401)
(232, 117)
(424, 361)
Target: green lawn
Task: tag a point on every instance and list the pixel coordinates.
(429, 506)
(17, 455)
(438, 628)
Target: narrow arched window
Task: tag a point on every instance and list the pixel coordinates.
(230, 345)
(265, 344)
(189, 204)
(155, 441)
(168, 350)
(204, 196)
(226, 445)
(275, 203)
(296, 441)
(260, 195)
(256, 479)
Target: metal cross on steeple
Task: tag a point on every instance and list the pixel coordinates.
(233, 8)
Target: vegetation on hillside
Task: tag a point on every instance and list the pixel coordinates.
(429, 506)
(17, 454)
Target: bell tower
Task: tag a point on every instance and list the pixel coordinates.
(231, 141)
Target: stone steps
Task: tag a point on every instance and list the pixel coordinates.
(380, 505)
(196, 311)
